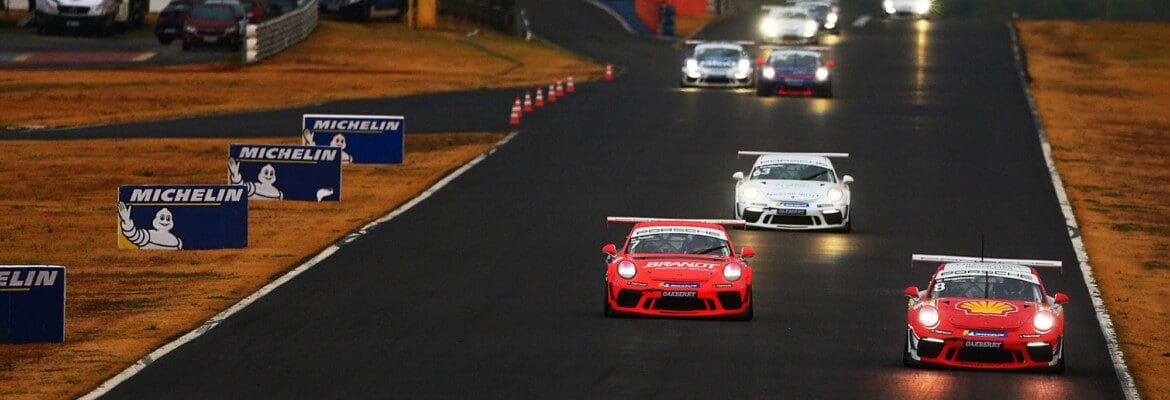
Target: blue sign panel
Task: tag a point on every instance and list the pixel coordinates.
(279, 172)
(182, 217)
(32, 303)
(363, 139)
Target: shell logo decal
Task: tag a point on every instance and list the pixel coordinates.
(986, 307)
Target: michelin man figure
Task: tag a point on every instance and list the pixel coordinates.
(265, 186)
(158, 238)
(338, 141)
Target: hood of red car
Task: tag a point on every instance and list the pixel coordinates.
(680, 269)
(991, 314)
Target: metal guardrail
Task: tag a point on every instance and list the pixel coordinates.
(268, 38)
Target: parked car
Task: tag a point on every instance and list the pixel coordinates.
(170, 21)
(257, 10)
(214, 24)
(100, 15)
(363, 10)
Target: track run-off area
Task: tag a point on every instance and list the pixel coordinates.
(492, 286)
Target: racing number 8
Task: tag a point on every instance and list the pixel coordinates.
(941, 286)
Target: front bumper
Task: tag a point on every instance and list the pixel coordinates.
(70, 20)
(793, 215)
(717, 78)
(703, 299)
(211, 38)
(1013, 352)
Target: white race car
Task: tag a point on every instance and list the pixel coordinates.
(789, 24)
(793, 191)
(907, 8)
(717, 64)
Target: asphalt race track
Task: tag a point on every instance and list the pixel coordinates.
(493, 287)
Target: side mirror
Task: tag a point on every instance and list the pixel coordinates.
(911, 292)
(831, 64)
(1061, 298)
(846, 179)
(747, 253)
(737, 176)
(609, 249)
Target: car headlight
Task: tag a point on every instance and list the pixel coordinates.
(732, 272)
(928, 316)
(831, 18)
(627, 269)
(770, 27)
(922, 6)
(822, 73)
(749, 192)
(744, 65)
(835, 194)
(189, 28)
(1043, 321)
(768, 72)
(888, 5)
(692, 64)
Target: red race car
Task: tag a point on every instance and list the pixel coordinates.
(678, 268)
(985, 313)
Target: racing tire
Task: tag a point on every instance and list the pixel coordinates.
(1056, 369)
(847, 228)
(824, 92)
(906, 360)
(763, 91)
(747, 315)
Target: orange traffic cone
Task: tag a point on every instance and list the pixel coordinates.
(552, 93)
(560, 89)
(539, 97)
(609, 72)
(514, 117)
(569, 85)
(527, 101)
(516, 105)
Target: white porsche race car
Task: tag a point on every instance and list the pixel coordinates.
(717, 64)
(789, 24)
(793, 191)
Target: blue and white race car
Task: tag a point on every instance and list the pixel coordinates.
(717, 64)
(795, 71)
(793, 191)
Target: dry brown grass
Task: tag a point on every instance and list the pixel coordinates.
(58, 207)
(341, 60)
(1103, 90)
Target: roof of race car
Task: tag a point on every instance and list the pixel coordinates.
(719, 45)
(777, 10)
(773, 159)
(696, 228)
(959, 269)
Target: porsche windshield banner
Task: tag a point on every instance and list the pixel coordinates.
(280, 172)
(363, 139)
(32, 303)
(182, 217)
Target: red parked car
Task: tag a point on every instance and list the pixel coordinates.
(985, 313)
(215, 24)
(678, 268)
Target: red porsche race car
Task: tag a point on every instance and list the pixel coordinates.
(986, 313)
(678, 268)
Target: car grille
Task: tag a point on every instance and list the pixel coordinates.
(833, 219)
(791, 220)
(680, 304)
(751, 216)
(716, 79)
(729, 300)
(73, 10)
(628, 297)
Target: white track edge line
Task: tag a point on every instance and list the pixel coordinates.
(210, 324)
(1128, 387)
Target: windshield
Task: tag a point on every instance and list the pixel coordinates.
(678, 243)
(987, 287)
(816, 8)
(792, 15)
(716, 52)
(794, 172)
(219, 13)
(794, 60)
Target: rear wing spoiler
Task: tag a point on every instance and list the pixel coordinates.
(769, 7)
(634, 220)
(739, 42)
(765, 153)
(807, 48)
(1025, 262)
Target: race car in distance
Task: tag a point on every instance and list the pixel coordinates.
(788, 24)
(793, 191)
(678, 268)
(985, 313)
(826, 14)
(917, 9)
(717, 64)
(795, 71)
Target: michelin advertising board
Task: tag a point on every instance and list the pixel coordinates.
(32, 303)
(182, 217)
(363, 139)
(280, 172)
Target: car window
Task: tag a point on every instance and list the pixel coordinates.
(678, 243)
(794, 172)
(987, 287)
(794, 60)
(717, 52)
(793, 15)
(216, 13)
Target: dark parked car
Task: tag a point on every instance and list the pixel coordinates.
(216, 24)
(257, 9)
(170, 21)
